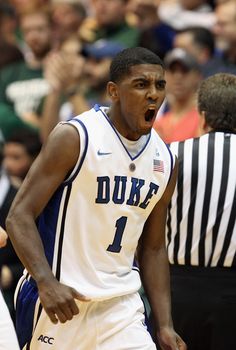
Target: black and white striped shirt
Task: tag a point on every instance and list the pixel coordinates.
(201, 229)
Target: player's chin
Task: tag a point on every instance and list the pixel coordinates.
(146, 129)
(148, 124)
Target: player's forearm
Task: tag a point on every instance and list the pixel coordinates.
(154, 269)
(28, 245)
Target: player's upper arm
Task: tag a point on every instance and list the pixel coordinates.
(153, 235)
(166, 197)
(56, 159)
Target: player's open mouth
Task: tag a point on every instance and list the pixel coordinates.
(150, 114)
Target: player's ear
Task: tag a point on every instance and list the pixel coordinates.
(112, 91)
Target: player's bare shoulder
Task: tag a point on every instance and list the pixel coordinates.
(63, 145)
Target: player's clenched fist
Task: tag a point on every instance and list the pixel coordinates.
(58, 300)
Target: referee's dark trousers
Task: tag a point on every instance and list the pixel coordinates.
(204, 306)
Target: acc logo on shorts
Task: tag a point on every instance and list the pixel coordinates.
(45, 339)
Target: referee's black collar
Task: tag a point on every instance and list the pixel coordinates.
(225, 131)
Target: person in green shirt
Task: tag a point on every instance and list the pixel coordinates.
(22, 85)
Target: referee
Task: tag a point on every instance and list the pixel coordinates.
(201, 228)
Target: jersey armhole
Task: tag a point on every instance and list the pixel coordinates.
(83, 134)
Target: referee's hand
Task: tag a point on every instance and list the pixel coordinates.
(58, 300)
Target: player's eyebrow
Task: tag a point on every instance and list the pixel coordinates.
(145, 78)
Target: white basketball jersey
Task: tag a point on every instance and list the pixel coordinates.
(91, 226)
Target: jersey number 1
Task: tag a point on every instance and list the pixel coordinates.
(115, 247)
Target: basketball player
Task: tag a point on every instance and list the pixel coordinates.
(201, 230)
(8, 339)
(99, 189)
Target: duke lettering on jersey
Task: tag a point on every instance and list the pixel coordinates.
(120, 194)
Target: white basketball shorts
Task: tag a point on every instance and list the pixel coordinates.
(116, 324)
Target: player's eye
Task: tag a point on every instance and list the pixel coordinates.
(140, 85)
(161, 84)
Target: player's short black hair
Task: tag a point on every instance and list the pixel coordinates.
(217, 98)
(127, 58)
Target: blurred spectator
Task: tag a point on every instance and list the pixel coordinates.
(19, 152)
(22, 85)
(225, 30)
(8, 120)
(183, 76)
(195, 5)
(63, 71)
(23, 6)
(144, 13)
(217, 2)
(67, 17)
(7, 190)
(10, 266)
(155, 35)
(78, 80)
(8, 23)
(181, 14)
(98, 58)
(108, 31)
(109, 22)
(200, 42)
(10, 53)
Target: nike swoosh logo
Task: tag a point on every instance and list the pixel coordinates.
(103, 153)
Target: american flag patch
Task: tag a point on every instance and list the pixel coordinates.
(158, 165)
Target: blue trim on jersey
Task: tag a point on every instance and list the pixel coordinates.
(135, 266)
(96, 107)
(83, 155)
(109, 121)
(28, 295)
(61, 236)
(17, 291)
(26, 301)
(47, 224)
(146, 315)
